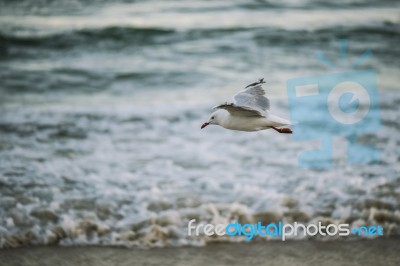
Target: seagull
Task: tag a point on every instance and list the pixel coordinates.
(248, 111)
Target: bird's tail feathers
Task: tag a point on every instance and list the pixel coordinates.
(279, 121)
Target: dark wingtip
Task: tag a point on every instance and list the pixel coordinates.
(260, 81)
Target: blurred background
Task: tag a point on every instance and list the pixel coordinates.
(102, 101)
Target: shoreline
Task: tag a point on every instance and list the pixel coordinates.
(381, 251)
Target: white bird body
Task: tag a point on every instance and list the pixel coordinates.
(244, 123)
(249, 111)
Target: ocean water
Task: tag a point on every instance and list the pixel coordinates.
(102, 101)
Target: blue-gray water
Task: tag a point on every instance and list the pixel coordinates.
(102, 102)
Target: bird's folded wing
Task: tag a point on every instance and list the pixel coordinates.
(236, 110)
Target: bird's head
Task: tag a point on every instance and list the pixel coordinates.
(214, 119)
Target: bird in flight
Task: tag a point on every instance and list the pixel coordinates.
(248, 111)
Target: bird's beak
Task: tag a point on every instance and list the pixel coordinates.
(204, 125)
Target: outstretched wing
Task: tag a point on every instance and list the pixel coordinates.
(249, 102)
(253, 97)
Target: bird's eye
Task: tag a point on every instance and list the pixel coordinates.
(212, 117)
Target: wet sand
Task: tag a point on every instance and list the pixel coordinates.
(384, 251)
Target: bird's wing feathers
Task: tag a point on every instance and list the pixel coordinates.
(252, 97)
(260, 81)
(234, 109)
(249, 102)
